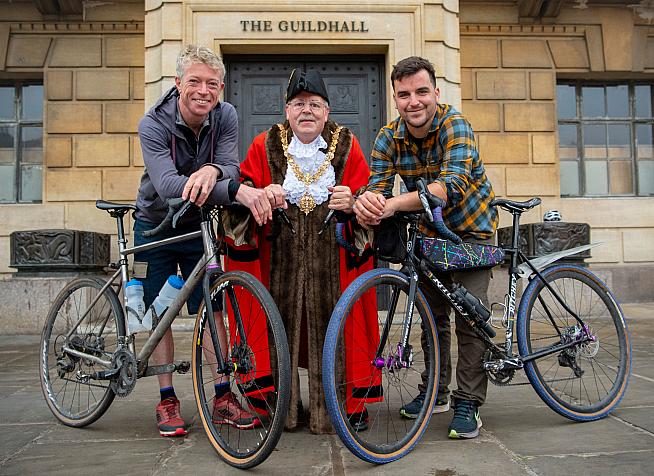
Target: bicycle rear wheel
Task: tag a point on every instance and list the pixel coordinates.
(72, 396)
(259, 369)
(359, 381)
(587, 381)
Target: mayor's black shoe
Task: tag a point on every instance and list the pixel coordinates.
(359, 420)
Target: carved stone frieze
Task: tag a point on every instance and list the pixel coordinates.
(52, 250)
(77, 27)
(538, 239)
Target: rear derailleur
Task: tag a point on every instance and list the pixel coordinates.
(570, 356)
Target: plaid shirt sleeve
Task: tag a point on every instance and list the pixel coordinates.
(460, 152)
(382, 167)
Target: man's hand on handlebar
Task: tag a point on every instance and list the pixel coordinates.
(200, 184)
(256, 199)
(370, 208)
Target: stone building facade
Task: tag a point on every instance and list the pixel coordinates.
(102, 64)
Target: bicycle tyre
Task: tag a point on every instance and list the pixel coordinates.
(99, 329)
(388, 436)
(244, 448)
(607, 360)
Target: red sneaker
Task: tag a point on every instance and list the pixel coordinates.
(227, 410)
(169, 420)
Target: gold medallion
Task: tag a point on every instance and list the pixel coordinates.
(307, 202)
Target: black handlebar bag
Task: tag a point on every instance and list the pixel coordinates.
(390, 240)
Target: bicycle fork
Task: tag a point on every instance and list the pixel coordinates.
(403, 357)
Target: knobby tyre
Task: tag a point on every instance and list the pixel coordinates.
(587, 381)
(72, 396)
(358, 382)
(259, 369)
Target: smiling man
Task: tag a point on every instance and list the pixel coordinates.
(434, 141)
(314, 164)
(189, 142)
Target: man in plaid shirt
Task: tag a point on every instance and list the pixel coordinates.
(434, 141)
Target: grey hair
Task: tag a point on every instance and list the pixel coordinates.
(193, 54)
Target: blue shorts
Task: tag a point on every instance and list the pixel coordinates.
(164, 260)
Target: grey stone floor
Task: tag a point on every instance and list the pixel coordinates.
(520, 434)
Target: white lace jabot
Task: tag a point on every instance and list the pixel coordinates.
(308, 157)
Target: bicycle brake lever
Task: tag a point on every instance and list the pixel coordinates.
(181, 212)
(325, 223)
(281, 213)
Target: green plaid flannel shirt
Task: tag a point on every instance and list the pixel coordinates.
(448, 155)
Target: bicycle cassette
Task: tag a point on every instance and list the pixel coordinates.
(123, 383)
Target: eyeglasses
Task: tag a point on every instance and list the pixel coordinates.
(315, 106)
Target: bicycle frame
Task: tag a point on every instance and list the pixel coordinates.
(207, 267)
(413, 266)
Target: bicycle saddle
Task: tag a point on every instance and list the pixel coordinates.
(115, 207)
(514, 206)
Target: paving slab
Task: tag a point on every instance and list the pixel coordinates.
(520, 436)
(634, 463)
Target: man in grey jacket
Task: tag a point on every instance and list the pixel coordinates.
(189, 143)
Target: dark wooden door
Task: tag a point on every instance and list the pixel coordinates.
(256, 87)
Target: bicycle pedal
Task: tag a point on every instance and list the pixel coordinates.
(182, 367)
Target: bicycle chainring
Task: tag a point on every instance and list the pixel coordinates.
(125, 381)
(500, 377)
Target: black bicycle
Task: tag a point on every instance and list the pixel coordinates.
(87, 358)
(572, 338)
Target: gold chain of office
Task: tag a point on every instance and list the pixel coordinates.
(307, 202)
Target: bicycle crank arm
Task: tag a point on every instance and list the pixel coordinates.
(179, 367)
(82, 355)
(104, 374)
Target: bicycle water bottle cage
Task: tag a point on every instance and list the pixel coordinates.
(443, 255)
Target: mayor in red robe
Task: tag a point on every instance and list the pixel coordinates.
(306, 272)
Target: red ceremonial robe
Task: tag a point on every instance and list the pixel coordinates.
(306, 273)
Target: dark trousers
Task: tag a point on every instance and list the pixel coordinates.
(470, 376)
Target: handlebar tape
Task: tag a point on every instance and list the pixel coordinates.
(176, 208)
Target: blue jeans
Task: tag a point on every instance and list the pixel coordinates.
(164, 260)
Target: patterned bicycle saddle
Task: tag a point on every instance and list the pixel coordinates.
(445, 255)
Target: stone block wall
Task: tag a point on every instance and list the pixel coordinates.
(93, 77)
(509, 71)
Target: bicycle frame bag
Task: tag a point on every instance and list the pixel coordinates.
(445, 255)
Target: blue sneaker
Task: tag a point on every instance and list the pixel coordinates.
(466, 422)
(412, 409)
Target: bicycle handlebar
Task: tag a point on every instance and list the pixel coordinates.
(176, 208)
(433, 206)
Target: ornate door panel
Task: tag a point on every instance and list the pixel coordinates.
(256, 87)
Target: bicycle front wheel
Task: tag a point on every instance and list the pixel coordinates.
(244, 427)
(84, 319)
(367, 375)
(586, 381)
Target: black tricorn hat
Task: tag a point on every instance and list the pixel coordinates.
(311, 82)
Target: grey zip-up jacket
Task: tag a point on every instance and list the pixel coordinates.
(163, 178)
